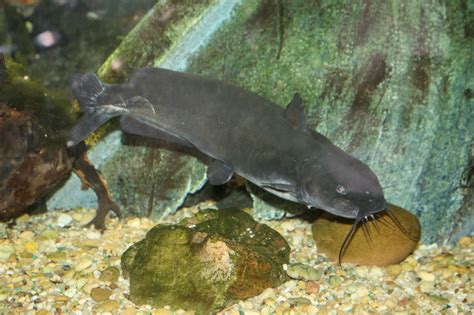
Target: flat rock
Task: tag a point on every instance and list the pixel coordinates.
(388, 245)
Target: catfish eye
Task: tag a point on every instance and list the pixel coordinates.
(341, 189)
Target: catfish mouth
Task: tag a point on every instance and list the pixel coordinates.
(362, 219)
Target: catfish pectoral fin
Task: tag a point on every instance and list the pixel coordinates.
(89, 122)
(219, 173)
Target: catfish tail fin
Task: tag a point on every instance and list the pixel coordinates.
(95, 103)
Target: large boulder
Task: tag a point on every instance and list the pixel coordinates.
(222, 257)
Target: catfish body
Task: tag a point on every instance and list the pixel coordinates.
(242, 132)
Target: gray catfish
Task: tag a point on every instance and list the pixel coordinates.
(240, 131)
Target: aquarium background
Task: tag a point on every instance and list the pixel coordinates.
(390, 82)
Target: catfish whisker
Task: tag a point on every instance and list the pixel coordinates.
(400, 226)
(376, 224)
(347, 239)
(367, 232)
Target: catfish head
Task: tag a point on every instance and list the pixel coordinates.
(340, 184)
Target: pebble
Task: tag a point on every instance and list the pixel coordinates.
(27, 235)
(49, 234)
(6, 250)
(83, 264)
(64, 220)
(301, 271)
(427, 286)
(288, 226)
(31, 247)
(426, 276)
(111, 274)
(394, 270)
(100, 294)
(94, 235)
(312, 287)
(107, 306)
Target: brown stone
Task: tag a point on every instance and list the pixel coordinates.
(387, 244)
(100, 294)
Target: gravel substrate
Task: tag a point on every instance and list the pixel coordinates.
(51, 263)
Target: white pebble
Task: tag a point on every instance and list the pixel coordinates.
(83, 264)
(6, 250)
(289, 226)
(93, 235)
(426, 276)
(64, 220)
(375, 273)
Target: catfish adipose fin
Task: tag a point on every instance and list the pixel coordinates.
(269, 146)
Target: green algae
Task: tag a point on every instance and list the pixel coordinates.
(154, 36)
(50, 110)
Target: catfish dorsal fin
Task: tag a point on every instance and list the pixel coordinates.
(294, 112)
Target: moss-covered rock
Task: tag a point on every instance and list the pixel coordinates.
(386, 243)
(206, 266)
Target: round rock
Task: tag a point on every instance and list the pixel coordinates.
(386, 245)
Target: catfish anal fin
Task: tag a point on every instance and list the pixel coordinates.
(294, 112)
(219, 173)
(140, 127)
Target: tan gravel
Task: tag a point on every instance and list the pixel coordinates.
(51, 264)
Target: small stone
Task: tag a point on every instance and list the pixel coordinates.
(375, 273)
(406, 267)
(6, 250)
(129, 311)
(83, 264)
(57, 256)
(288, 226)
(49, 234)
(111, 274)
(100, 294)
(427, 286)
(162, 311)
(64, 220)
(299, 301)
(269, 301)
(312, 287)
(107, 306)
(301, 271)
(89, 286)
(266, 310)
(93, 235)
(61, 298)
(134, 223)
(426, 276)
(394, 270)
(77, 216)
(465, 241)
(27, 235)
(361, 291)
(31, 247)
(81, 283)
